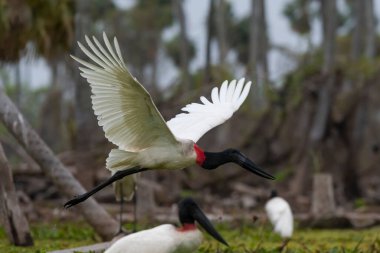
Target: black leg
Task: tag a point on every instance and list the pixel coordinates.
(121, 210)
(284, 244)
(134, 229)
(117, 176)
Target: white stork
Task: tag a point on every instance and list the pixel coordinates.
(168, 238)
(131, 121)
(280, 215)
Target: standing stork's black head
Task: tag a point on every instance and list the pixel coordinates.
(189, 212)
(212, 160)
(273, 194)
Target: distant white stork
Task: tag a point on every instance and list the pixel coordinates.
(145, 141)
(168, 238)
(280, 215)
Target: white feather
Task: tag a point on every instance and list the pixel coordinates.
(127, 113)
(230, 91)
(161, 239)
(280, 215)
(124, 108)
(131, 121)
(202, 117)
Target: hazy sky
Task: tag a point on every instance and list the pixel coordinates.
(37, 73)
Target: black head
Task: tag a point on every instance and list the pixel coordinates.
(186, 209)
(214, 160)
(273, 193)
(189, 212)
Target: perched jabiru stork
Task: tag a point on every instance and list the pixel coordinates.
(280, 215)
(168, 238)
(132, 122)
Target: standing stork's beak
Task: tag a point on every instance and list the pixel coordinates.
(189, 212)
(201, 218)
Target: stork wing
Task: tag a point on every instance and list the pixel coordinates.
(201, 117)
(123, 107)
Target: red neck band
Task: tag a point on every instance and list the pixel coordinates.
(186, 227)
(200, 155)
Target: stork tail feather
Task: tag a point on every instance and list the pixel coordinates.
(125, 188)
(120, 159)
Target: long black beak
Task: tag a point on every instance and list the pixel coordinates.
(214, 160)
(201, 218)
(247, 164)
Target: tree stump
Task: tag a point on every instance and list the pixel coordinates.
(11, 217)
(323, 201)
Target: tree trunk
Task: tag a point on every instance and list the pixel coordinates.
(370, 27)
(18, 92)
(359, 12)
(87, 128)
(54, 66)
(210, 18)
(154, 65)
(221, 31)
(11, 217)
(178, 10)
(52, 167)
(329, 34)
(318, 129)
(264, 44)
(254, 39)
(325, 92)
(320, 117)
(258, 48)
(221, 35)
(362, 44)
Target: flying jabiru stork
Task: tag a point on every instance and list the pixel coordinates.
(280, 215)
(132, 122)
(168, 238)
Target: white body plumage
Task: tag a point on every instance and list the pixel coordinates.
(168, 238)
(131, 120)
(161, 239)
(280, 215)
(167, 157)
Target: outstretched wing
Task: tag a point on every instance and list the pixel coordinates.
(123, 107)
(201, 117)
